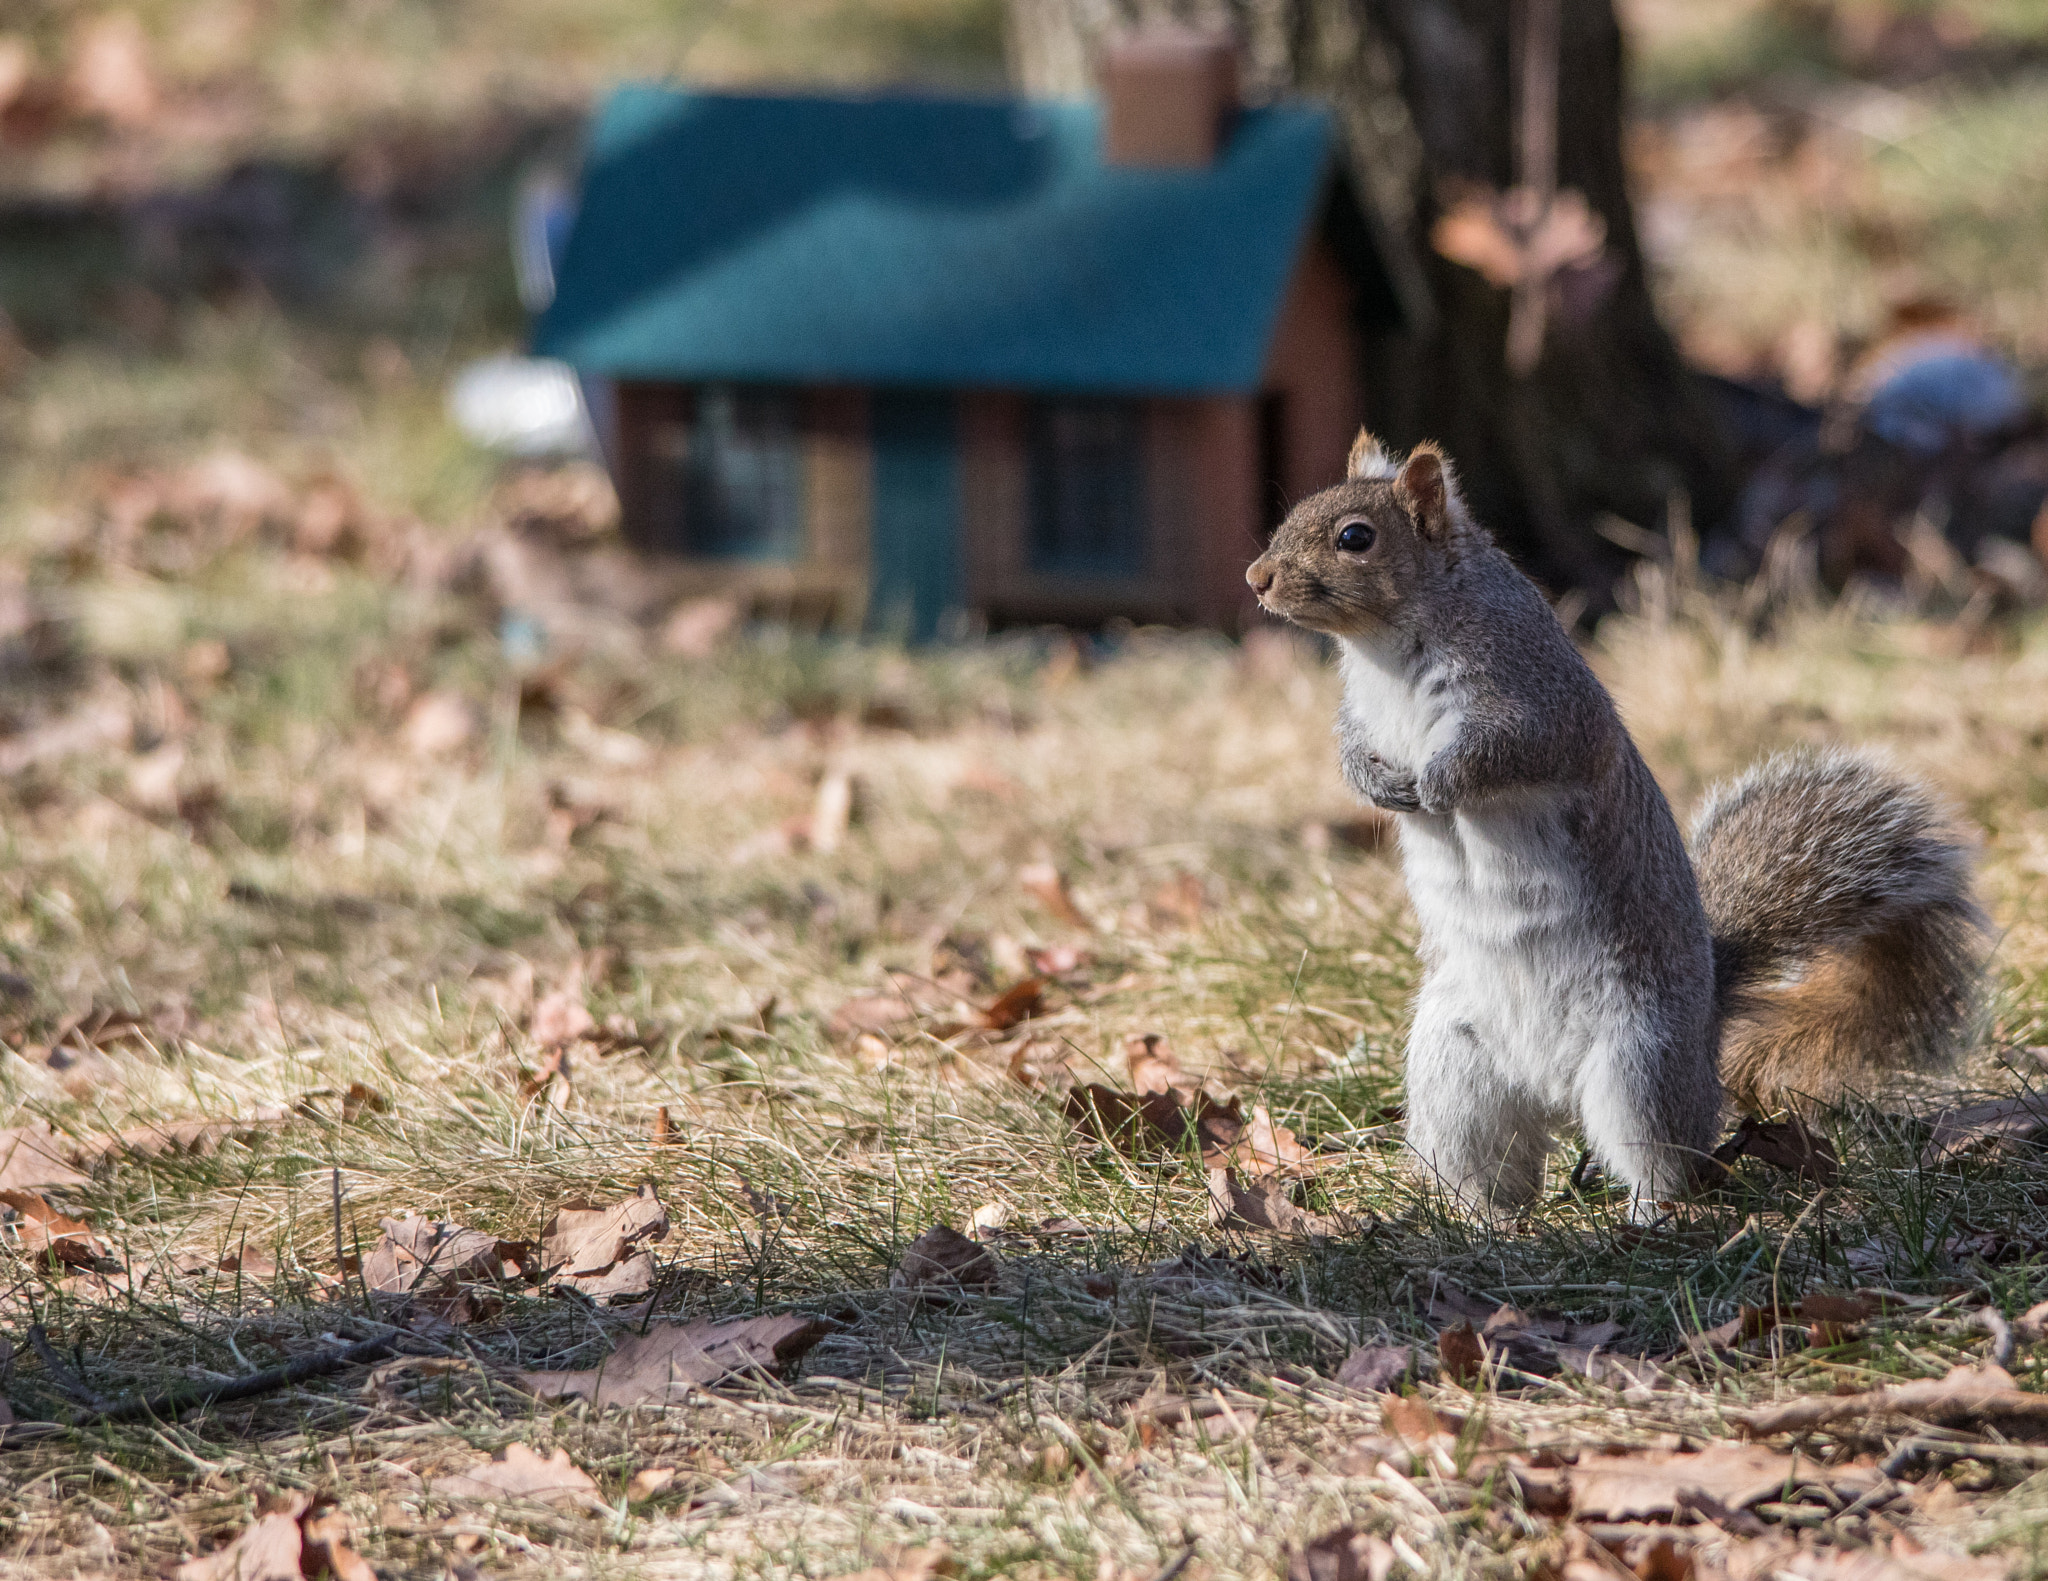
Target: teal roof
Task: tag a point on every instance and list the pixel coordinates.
(931, 242)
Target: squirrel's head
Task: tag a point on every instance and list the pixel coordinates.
(1346, 561)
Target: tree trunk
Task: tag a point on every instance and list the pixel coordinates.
(1437, 99)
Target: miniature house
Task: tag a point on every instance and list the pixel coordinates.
(898, 359)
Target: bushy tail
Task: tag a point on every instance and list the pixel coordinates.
(1847, 945)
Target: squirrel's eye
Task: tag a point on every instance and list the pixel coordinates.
(1355, 537)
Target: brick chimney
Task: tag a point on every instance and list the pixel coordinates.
(1169, 94)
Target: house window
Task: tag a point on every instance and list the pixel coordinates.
(743, 476)
(1088, 487)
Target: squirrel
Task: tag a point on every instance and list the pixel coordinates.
(1579, 965)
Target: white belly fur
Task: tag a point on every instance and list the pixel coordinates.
(1497, 889)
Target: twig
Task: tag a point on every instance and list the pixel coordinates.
(59, 1374)
(174, 1402)
(1174, 1566)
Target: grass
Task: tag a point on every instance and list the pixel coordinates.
(334, 908)
(306, 901)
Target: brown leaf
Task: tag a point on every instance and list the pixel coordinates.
(430, 1262)
(1375, 1369)
(1016, 1004)
(601, 1251)
(1785, 1144)
(648, 1481)
(1996, 1122)
(521, 1474)
(324, 1532)
(37, 1155)
(1460, 1352)
(1963, 1394)
(268, 1550)
(664, 1128)
(1045, 884)
(1819, 1306)
(912, 1564)
(661, 1366)
(1177, 904)
(560, 1018)
(1264, 1148)
(1346, 1554)
(1415, 1421)
(873, 1013)
(43, 1231)
(308, 1536)
(1265, 1205)
(1719, 1478)
(941, 1259)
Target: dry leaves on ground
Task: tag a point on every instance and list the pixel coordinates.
(943, 1261)
(42, 1231)
(1266, 1204)
(1376, 1369)
(663, 1365)
(1047, 885)
(521, 1474)
(439, 1267)
(1660, 1484)
(1996, 1122)
(37, 1155)
(602, 1251)
(1787, 1144)
(307, 1537)
(1964, 1395)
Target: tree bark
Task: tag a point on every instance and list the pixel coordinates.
(1430, 96)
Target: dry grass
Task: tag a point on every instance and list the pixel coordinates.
(333, 907)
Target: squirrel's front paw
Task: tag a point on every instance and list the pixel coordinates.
(1391, 788)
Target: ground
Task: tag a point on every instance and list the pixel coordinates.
(381, 840)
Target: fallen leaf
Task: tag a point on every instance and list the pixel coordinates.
(601, 1251)
(1963, 1394)
(1264, 1148)
(1819, 1306)
(648, 1481)
(1997, 1121)
(37, 1155)
(990, 1220)
(1460, 1352)
(521, 1474)
(1015, 1004)
(873, 1013)
(1177, 904)
(306, 1537)
(1346, 1554)
(559, 1017)
(1045, 884)
(912, 1564)
(1265, 1205)
(1376, 1369)
(431, 1262)
(661, 1366)
(1719, 1478)
(943, 1259)
(1786, 1144)
(664, 1128)
(43, 1231)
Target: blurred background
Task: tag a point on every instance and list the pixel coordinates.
(1771, 284)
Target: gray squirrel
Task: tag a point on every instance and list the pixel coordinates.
(1579, 965)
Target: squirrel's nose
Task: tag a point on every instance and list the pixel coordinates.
(1260, 575)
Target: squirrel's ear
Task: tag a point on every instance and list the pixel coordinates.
(1425, 485)
(1367, 460)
